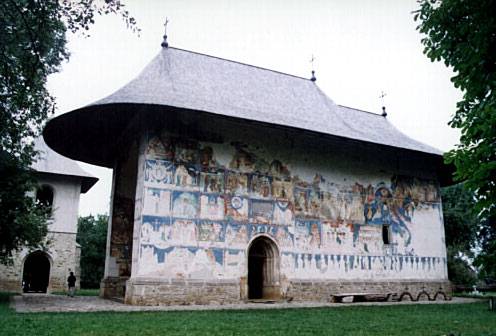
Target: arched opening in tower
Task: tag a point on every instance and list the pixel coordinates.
(36, 273)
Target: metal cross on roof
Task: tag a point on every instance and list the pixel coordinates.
(165, 44)
(383, 94)
(312, 60)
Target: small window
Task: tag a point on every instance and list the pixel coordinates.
(44, 196)
(386, 234)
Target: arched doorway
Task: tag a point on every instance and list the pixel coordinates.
(263, 269)
(36, 273)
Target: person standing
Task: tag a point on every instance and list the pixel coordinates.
(71, 283)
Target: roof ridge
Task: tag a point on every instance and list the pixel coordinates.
(390, 124)
(360, 110)
(241, 63)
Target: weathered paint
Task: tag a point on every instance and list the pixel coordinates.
(198, 204)
(203, 202)
(120, 235)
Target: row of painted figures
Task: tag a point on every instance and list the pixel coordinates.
(305, 235)
(201, 263)
(183, 179)
(193, 205)
(186, 204)
(171, 175)
(189, 164)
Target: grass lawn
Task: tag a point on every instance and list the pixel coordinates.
(458, 319)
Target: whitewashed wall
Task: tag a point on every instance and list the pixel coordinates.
(65, 202)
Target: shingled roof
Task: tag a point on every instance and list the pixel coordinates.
(191, 81)
(50, 162)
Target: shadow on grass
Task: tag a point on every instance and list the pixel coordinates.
(4, 302)
(5, 297)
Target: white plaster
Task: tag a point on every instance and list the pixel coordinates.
(65, 202)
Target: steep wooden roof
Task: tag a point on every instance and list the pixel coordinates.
(198, 83)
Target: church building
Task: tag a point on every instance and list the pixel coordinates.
(60, 183)
(233, 182)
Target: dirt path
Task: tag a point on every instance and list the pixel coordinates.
(35, 303)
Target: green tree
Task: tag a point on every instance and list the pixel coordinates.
(461, 228)
(33, 45)
(92, 236)
(462, 34)
(486, 259)
(22, 221)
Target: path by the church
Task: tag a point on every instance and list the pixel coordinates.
(33, 303)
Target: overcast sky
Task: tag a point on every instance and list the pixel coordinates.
(361, 47)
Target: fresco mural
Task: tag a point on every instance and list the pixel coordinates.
(237, 235)
(236, 183)
(200, 215)
(260, 186)
(210, 231)
(159, 172)
(157, 202)
(283, 213)
(184, 204)
(212, 207)
(212, 182)
(261, 211)
(236, 208)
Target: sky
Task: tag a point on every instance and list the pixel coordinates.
(361, 48)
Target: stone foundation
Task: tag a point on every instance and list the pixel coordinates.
(62, 255)
(153, 291)
(9, 285)
(321, 291)
(113, 287)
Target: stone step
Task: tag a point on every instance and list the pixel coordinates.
(262, 301)
(119, 299)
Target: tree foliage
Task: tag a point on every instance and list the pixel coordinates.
(22, 221)
(462, 34)
(461, 227)
(32, 41)
(92, 236)
(461, 224)
(486, 259)
(33, 45)
(460, 271)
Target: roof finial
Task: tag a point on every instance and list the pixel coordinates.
(313, 79)
(383, 94)
(165, 44)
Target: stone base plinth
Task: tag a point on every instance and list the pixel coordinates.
(149, 291)
(8, 285)
(321, 291)
(156, 291)
(113, 287)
